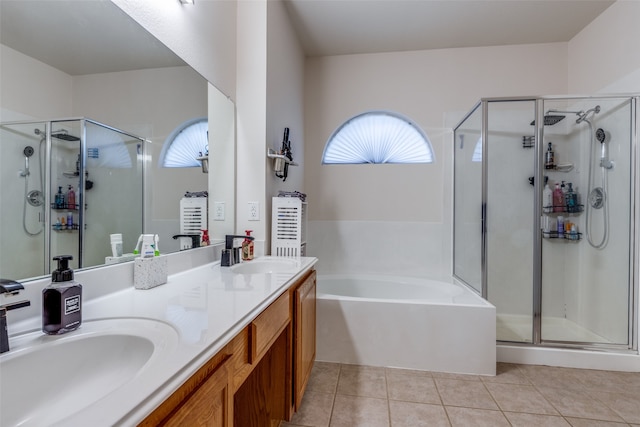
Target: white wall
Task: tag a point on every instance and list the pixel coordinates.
(397, 218)
(285, 103)
(203, 34)
(604, 56)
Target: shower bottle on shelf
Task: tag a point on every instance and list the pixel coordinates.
(71, 198)
(558, 199)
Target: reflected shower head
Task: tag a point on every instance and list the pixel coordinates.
(550, 119)
(65, 136)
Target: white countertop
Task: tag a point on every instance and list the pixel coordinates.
(206, 305)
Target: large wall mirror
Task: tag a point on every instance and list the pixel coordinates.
(84, 88)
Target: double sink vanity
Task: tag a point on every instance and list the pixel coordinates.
(216, 346)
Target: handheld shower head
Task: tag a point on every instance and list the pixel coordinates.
(28, 152)
(601, 135)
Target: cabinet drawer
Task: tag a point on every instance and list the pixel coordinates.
(267, 326)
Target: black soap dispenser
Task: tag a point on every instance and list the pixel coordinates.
(61, 300)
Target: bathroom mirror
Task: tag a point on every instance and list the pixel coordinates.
(89, 59)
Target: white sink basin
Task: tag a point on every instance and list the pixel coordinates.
(266, 265)
(44, 379)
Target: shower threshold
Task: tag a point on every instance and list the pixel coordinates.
(518, 328)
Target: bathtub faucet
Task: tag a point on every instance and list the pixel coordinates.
(230, 254)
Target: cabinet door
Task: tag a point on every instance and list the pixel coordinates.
(305, 335)
(210, 404)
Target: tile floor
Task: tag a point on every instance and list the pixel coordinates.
(519, 395)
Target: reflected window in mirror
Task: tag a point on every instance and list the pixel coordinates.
(186, 144)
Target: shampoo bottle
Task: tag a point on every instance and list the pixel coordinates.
(61, 300)
(558, 199)
(71, 198)
(59, 199)
(549, 158)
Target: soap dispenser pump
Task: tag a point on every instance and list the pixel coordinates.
(61, 300)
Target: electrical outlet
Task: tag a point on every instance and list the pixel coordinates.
(218, 211)
(254, 211)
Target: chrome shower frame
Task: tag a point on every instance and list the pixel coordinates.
(537, 340)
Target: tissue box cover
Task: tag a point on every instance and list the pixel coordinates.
(150, 272)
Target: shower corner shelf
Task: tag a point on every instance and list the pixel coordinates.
(62, 228)
(64, 207)
(570, 237)
(576, 210)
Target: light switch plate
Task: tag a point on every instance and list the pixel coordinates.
(218, 211)
(254, 211)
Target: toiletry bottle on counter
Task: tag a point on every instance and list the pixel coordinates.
(148, 246)
(116, 245)
(558, 199)
(247, 247)
(61, 300)
(549, 158)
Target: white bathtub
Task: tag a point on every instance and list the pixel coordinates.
(405, 323)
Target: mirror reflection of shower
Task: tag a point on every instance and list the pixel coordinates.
(33, 197)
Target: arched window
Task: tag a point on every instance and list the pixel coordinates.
(378, 137)
(185, 144)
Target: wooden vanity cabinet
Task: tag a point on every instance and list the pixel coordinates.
(259, 377)
(304, 335)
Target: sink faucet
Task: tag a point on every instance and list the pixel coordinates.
(231, 255)
(195, 239)
(10, 287)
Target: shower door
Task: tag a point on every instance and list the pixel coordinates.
(586, 274)
(467, 247)
(509, 158)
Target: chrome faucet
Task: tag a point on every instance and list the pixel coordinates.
(10, 287)
(231, 255)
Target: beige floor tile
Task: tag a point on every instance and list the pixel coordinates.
(470, 394)
(366, 381)
(356, 411)
(467, 417)
(324, 377)
(535, 420)
(625, 405)
(465, 377)
(576, 403)
(315, 410)
(550, 376)
(520, 398)
(581, 422)
(409, 414)
(507, 373)
(411, 386)
(610, 381)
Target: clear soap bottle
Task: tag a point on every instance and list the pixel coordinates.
(61, 300)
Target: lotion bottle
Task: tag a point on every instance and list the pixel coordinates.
(61, 300)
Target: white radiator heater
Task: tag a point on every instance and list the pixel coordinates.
(193, 218)
(288, 227)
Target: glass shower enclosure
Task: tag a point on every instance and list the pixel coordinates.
(66, 186)
(545, 214)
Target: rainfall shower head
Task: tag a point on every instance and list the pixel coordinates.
(65, 136)
(59, 134)
(550, 119)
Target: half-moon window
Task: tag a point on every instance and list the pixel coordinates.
(378, 137)
(185, 144)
